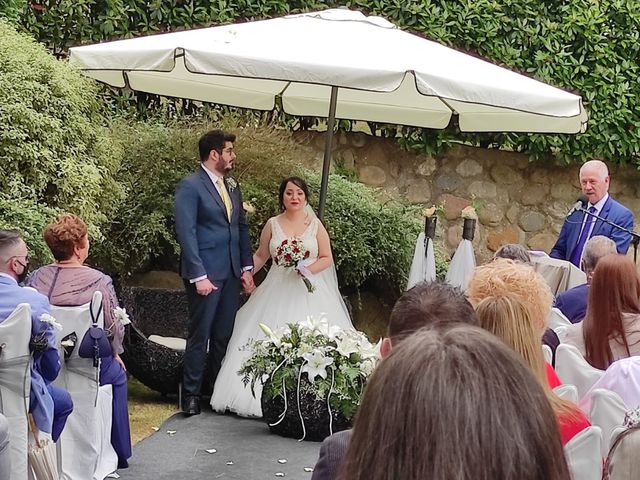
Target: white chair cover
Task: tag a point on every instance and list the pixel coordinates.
(81, 442)
(606, 410)
(583, 454)
(548, 354)
(567, 392)
(423, 266)
(462, 265)
(107, 457)
(573, 369)
(15, 384)
(557, 319)
(622, 377)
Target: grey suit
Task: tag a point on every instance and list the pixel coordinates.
(211, 244)
(332, 452)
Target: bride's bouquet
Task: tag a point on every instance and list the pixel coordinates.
(291, 253)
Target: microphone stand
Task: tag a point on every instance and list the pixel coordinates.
(635, 237)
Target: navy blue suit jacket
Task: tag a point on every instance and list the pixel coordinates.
(613, 211)
(573, 302)
(210, 244)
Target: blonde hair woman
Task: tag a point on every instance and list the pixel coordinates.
(510, 320)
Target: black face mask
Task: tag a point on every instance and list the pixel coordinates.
(25, 271)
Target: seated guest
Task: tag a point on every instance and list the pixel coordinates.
(509, 320)
(5, 454)
(611, 327)
(426, 304)
(49, 405)
(449, 404)
(513, 251)
(623, 378)
(573, 302)
(506, 277)
(68, 282)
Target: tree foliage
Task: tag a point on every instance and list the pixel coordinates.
(54, 151)
(591, 47)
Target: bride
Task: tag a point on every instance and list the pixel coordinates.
(283, 297)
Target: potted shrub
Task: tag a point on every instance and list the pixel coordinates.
(313, 376)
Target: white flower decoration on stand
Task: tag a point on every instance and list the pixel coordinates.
(49, 320)
(121, 314)
(316, 365)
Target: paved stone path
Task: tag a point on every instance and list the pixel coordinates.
(248, 444)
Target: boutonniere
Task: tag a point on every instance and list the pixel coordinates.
(231, 184)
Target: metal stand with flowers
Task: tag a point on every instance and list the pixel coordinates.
(313, 377)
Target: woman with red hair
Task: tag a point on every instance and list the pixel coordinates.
(69, 282)
(611, 328)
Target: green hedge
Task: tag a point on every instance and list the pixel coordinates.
(54, 151)
(588, 46)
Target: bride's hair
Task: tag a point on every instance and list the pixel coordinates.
(298, 182)
(454, 402)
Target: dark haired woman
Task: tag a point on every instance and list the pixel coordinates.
(449, 403)
(69, 282)
(283, 297)
(611, 328)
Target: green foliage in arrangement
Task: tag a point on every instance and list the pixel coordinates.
(587, 46)
(55, 154)
(369, 238)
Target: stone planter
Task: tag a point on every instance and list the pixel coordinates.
(315, 415)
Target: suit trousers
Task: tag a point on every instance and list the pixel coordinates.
(211, 320)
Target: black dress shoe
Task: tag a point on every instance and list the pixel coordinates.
(191, 405)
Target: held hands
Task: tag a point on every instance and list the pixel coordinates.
(205, 287)
(248, 285)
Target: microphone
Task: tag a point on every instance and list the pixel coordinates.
(581, 203)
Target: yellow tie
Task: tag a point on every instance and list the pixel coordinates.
(225, 197)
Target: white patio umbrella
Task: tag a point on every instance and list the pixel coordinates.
(334, 63)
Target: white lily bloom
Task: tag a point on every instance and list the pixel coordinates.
(49, 320)
(316, 365)
(122, 315)
(347, 345)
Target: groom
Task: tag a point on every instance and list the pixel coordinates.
(215, 259)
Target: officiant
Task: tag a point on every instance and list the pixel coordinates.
(578, 227)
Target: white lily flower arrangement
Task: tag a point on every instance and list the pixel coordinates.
(312, 356)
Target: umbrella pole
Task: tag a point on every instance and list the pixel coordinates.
(328, 141)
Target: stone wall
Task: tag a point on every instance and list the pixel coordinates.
(520, 202)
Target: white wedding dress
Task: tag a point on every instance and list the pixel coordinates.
(281, 298)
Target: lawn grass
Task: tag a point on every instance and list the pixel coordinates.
(147, 409)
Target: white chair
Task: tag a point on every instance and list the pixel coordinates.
(85, 444)
(573, 369)
(567, 392)
(557, 319)
(583, 454)
(15, 384)
(606, 410)
(548, 354)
